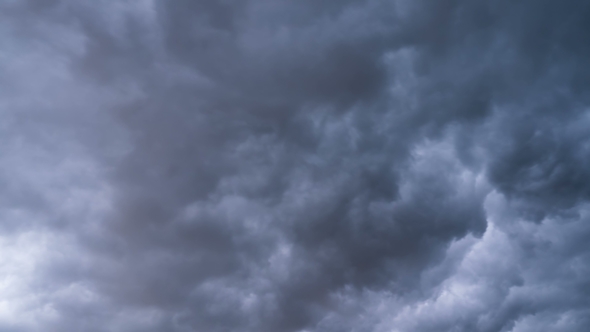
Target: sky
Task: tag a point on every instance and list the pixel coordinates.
(294, 166)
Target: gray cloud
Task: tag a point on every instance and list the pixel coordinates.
(295, 166)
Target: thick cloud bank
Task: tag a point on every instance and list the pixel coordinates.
(294, 165)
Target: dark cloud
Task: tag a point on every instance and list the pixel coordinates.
(295, 166)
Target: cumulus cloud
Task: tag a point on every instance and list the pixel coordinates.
(405, 166)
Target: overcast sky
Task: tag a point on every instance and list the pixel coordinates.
(294, 166)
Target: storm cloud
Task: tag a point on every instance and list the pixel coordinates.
(259, 165)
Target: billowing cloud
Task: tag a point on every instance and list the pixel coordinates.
(407, 166)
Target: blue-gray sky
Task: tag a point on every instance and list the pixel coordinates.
(294, 165)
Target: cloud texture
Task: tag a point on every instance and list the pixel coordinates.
(258, 165)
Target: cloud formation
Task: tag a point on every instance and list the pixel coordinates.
(407, 166)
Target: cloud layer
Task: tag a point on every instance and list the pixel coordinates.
(407, 166)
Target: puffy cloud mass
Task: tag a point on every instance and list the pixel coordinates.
(294, 165)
